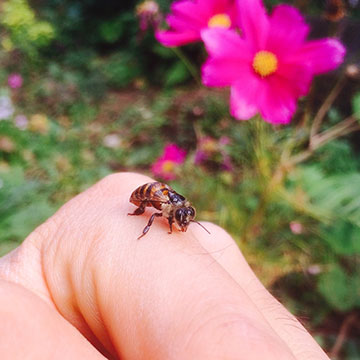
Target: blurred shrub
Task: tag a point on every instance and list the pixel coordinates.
(340, 289)
(121, 69)
(93, 38)
(26, 32)
(23, 205)
(356, 105)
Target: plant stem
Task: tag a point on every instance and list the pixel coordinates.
(263, 170)
(344, 329)
(324, 108)
(345, 127)
(188, 64)
(337, 130)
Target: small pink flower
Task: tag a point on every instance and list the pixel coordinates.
(224, 140)
(296, 228)
(165, 167)
(200, 157)
(21, 122)
(271, 64)
(189, 17)
(227, 163)
(210, 149)
(148, 14)
(315, 269)
(207, 146)
(15, 81)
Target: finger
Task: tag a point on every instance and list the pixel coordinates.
(160, 297)
(31, 330)
(226, 252)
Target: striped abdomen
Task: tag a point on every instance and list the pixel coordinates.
(153, 194)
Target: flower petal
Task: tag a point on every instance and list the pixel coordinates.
(179, 23)
(223, 71)
(245, 97)
(288, 30)
(254, 22)
(321, 55)
(230, 57)
(225, 43)
(174, 153)
(171, 38)
(296, 78)
(278, 103)
(191, 11)
(215, 6)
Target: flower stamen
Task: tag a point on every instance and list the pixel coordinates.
(168, 166)
(220, 21)
(265, 63)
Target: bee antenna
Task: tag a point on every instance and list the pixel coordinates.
(201, 226)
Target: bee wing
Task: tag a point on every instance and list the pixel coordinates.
(160, 195)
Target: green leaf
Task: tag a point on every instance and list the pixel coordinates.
(112, 30)
(177, 74)
(356, 105)
(343, 237)
(355, 285)
(337, 289)
(25, 220)
(121, 68)
(164, 52)
(328, 198)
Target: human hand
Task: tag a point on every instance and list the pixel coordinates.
(82, 286)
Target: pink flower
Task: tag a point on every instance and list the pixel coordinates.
(296, 228)
(271, 65)
(21, 122)
(15, 81)
(148, 14)
(214, 150)
(207, 146)
(189, 17)
(165, 166)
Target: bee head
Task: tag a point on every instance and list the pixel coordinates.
(183, 216)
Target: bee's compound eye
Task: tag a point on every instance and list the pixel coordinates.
(191, 211)
(178, 214)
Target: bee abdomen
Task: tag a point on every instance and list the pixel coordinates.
(138, 194)
(144, 192)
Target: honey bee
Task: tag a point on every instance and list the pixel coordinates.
(172, 205)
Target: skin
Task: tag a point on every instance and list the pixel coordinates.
(82, 286)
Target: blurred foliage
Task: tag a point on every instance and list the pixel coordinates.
(356, 105)
(26, 32)
(100, 95)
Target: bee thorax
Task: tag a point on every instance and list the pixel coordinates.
(167, 210)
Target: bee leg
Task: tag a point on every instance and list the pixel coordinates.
(147, 227)
(140, 210)
(171, 220)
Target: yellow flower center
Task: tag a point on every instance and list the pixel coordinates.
(219, 21)
(209, 145)
(168, 166)
(265, 63)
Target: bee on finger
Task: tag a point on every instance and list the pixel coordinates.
(173, 206)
